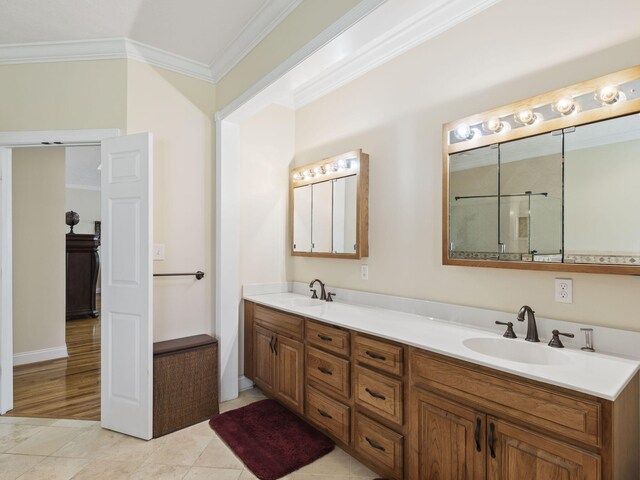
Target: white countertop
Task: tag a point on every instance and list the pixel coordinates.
(602, 375)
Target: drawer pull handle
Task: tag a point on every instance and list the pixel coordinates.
(492, 429)
(477, 434)
(374, 394)
(324, 414)
(375, 445)
(324, 338)
(325, 371)
(375, 356)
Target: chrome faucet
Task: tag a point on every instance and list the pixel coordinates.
(323, 292)
(532, 329)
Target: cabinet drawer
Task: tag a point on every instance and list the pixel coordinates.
(379, 394)
(328, 337)
(380, 445)
(379, 354)
(328, 373)
(573, 417)
(278, 322)
(329, 414)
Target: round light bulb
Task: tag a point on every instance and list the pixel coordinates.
(526, 117)
(297, 176)
(493, 125)
(565, 106)
(608, 95)
(342, 164)
(463, 132)
(308, 174)
(319, 170)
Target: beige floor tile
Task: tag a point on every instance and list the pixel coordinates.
(14, 434)
(129, 449)
(160, 472)
(12, 466)
(218, 455)
(71, 423)
(308, 476)
(206, 473)
(89, 443)
(358, 470)
(52, 468)
(248, 475)
(47, 441)
(338, 462)
(107, 469)
(183, 448)
(28, 421)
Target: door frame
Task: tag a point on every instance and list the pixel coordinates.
(10, 140)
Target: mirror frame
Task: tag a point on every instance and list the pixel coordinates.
(361, 170)
(604, 112)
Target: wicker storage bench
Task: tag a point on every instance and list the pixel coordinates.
(185, 382)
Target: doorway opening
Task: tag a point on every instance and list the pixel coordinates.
(56, 320)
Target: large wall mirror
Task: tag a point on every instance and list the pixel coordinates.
(549, 183)
(329, 207)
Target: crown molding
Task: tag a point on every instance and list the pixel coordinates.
(255, 30)
(102, 49)
(349, 19)
(437, 18)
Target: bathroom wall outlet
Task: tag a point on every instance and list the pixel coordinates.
(364, 272)
(564, 290)
(158, 252)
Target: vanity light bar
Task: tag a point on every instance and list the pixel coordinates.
(327, 168)
(565, 104)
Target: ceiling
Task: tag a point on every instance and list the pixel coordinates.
(215, 33)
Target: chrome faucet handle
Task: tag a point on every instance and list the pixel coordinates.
(588, 339)
(509, 333)
(330, 296)
(314, 294)
(555, 340)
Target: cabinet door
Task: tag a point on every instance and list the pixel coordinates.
(263, 359)
(518, 454)
(289, 356)
(449, 439)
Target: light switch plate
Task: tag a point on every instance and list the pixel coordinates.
(158, 252)
(564, 290)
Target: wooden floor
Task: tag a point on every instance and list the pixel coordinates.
(64, 388)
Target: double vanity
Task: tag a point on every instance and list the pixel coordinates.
(416, 397)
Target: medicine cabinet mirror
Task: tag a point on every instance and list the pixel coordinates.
(548, 183)
(329, 207)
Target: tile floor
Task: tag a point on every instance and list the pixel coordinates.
(33, 449)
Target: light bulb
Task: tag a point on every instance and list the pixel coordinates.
(342, 164)
(494, 125)
(297, 176)
(609, 95)
(565, 106)
(308, 174)
(319, 170)
(526, 117)
(333, 167)
(463, 132)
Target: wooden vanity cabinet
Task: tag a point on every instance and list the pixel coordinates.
(408, 413)
(278, 356)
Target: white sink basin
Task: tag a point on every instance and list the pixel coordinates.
(517, 351)
(301, 302)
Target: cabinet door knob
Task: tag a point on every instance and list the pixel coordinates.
(477, 434)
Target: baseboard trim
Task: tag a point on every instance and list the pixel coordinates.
(244, 383)
(43, 355)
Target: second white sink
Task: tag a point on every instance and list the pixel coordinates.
(517, 351)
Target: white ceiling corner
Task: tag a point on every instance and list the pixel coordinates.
(255, 30)
(182, 37)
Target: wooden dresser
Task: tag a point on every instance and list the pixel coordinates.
(83, 265)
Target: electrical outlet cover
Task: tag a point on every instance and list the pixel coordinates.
(564, 290)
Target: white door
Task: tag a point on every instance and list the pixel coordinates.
(6, 304)
(127, 316)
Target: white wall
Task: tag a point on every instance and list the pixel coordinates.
(395, 113)
(39, 291)
(266, 156)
